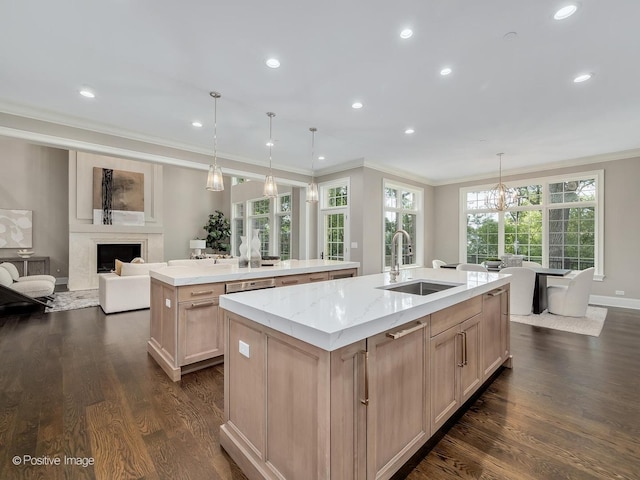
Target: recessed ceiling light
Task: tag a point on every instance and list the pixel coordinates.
(356, 105)
(87, 92)
(273, 63)
(582, 78)
(445, 71)
(196, 124)
(565, 12)
(409, 131)
(406, 33)
(269, 143)
(321, 157)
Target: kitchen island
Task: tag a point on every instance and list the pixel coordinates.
(347, 379)
(186, 328)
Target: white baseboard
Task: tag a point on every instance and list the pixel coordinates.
(633, 303)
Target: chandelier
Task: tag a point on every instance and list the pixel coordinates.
(215, 183)
(501, 197)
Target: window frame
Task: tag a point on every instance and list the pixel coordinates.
(324, 208)
(545, 206)
(418, 241)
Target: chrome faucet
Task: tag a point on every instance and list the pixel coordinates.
(395, 264)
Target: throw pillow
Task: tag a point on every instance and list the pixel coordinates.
(118, 267)
(13, 271)
(5, 277)
(138, 260)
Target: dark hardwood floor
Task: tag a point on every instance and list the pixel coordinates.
(80, 384)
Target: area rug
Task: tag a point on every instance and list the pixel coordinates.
(72, 300)
(591, 324)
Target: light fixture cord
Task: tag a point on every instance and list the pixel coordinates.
(215, 130)
(313, 154)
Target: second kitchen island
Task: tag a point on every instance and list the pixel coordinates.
(347, 379)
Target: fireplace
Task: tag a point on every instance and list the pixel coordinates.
(107, 253)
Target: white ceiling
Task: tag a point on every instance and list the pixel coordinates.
(152, 64)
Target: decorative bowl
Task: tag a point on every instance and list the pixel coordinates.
(25, 253)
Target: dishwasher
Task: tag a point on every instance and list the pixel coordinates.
(249, 285)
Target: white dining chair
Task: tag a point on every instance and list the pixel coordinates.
(438, 263)
(527, 263)
(571, 300)
(522, 281)
(471, 267)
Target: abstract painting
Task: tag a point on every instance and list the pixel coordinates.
(118, 197)
(16, 228)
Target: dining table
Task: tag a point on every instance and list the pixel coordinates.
(540, 286)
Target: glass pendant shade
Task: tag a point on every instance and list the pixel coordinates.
(214, 179)
(270, 187)
(312, 192)
(501, 197)
(312, 188)
(215, 183)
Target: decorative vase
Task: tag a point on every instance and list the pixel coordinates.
(255, 258)
(243, 261)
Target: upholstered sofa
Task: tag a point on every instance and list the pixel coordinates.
(130, 290)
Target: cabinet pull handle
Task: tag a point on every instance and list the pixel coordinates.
(315, 279)
(203, 304)
(402, 333)
(289, 282)
(495, 293)
(365, 400)
(461, 335)
(464, 348)
(202, 292)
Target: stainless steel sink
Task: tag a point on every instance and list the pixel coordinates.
(421, 288)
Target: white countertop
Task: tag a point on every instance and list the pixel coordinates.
(194, 275)
(336, 313)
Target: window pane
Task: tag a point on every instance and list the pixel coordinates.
(260, 207)
(262, 224)
(390, 197)
(238, 231)
(284, 233)
(573, 191)
(334, 236)
(337, 196)
(529, 195)
(523, 234)
(482, 235)
(285, 203)
(390, 227)
(572, 238)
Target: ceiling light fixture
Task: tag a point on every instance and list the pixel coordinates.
(321, 157)
(445, 71)
(501, 197)
(270, 187)
(582, 78)
(273, 63)
(409, 131)
(565, 12)
(312, 188)
(356, 105)
(87, 92)
(406, 33)
(196, 124)
(215, 182)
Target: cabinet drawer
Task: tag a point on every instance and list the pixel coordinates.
(302, 278)
(196, 292)
(447, 318)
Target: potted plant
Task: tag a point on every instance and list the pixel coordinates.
(218, 231)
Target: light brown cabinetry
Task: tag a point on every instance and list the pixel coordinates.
(293, 410)
(346, 273)
(187, 328)
(455, 368)
(496, 330)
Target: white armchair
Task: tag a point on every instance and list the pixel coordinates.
(527, 263)
(438, 263)
(128, 291)
(571, 300)
(522, 285)
(472, 267)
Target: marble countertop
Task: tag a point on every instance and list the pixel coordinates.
(194, 275)
(336, 313)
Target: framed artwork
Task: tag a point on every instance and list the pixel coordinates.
(16, 228)
(118, 197)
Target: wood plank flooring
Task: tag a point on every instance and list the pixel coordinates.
(80, 384)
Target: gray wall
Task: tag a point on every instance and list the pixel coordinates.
(621, 222)
(35, 178)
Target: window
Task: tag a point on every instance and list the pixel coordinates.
(557, 222)
(273, 219)
(334, 216)
(402, 209)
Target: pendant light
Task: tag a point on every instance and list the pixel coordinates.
(501, 197)
(215, 183)
(270, 187)
(312, 188)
